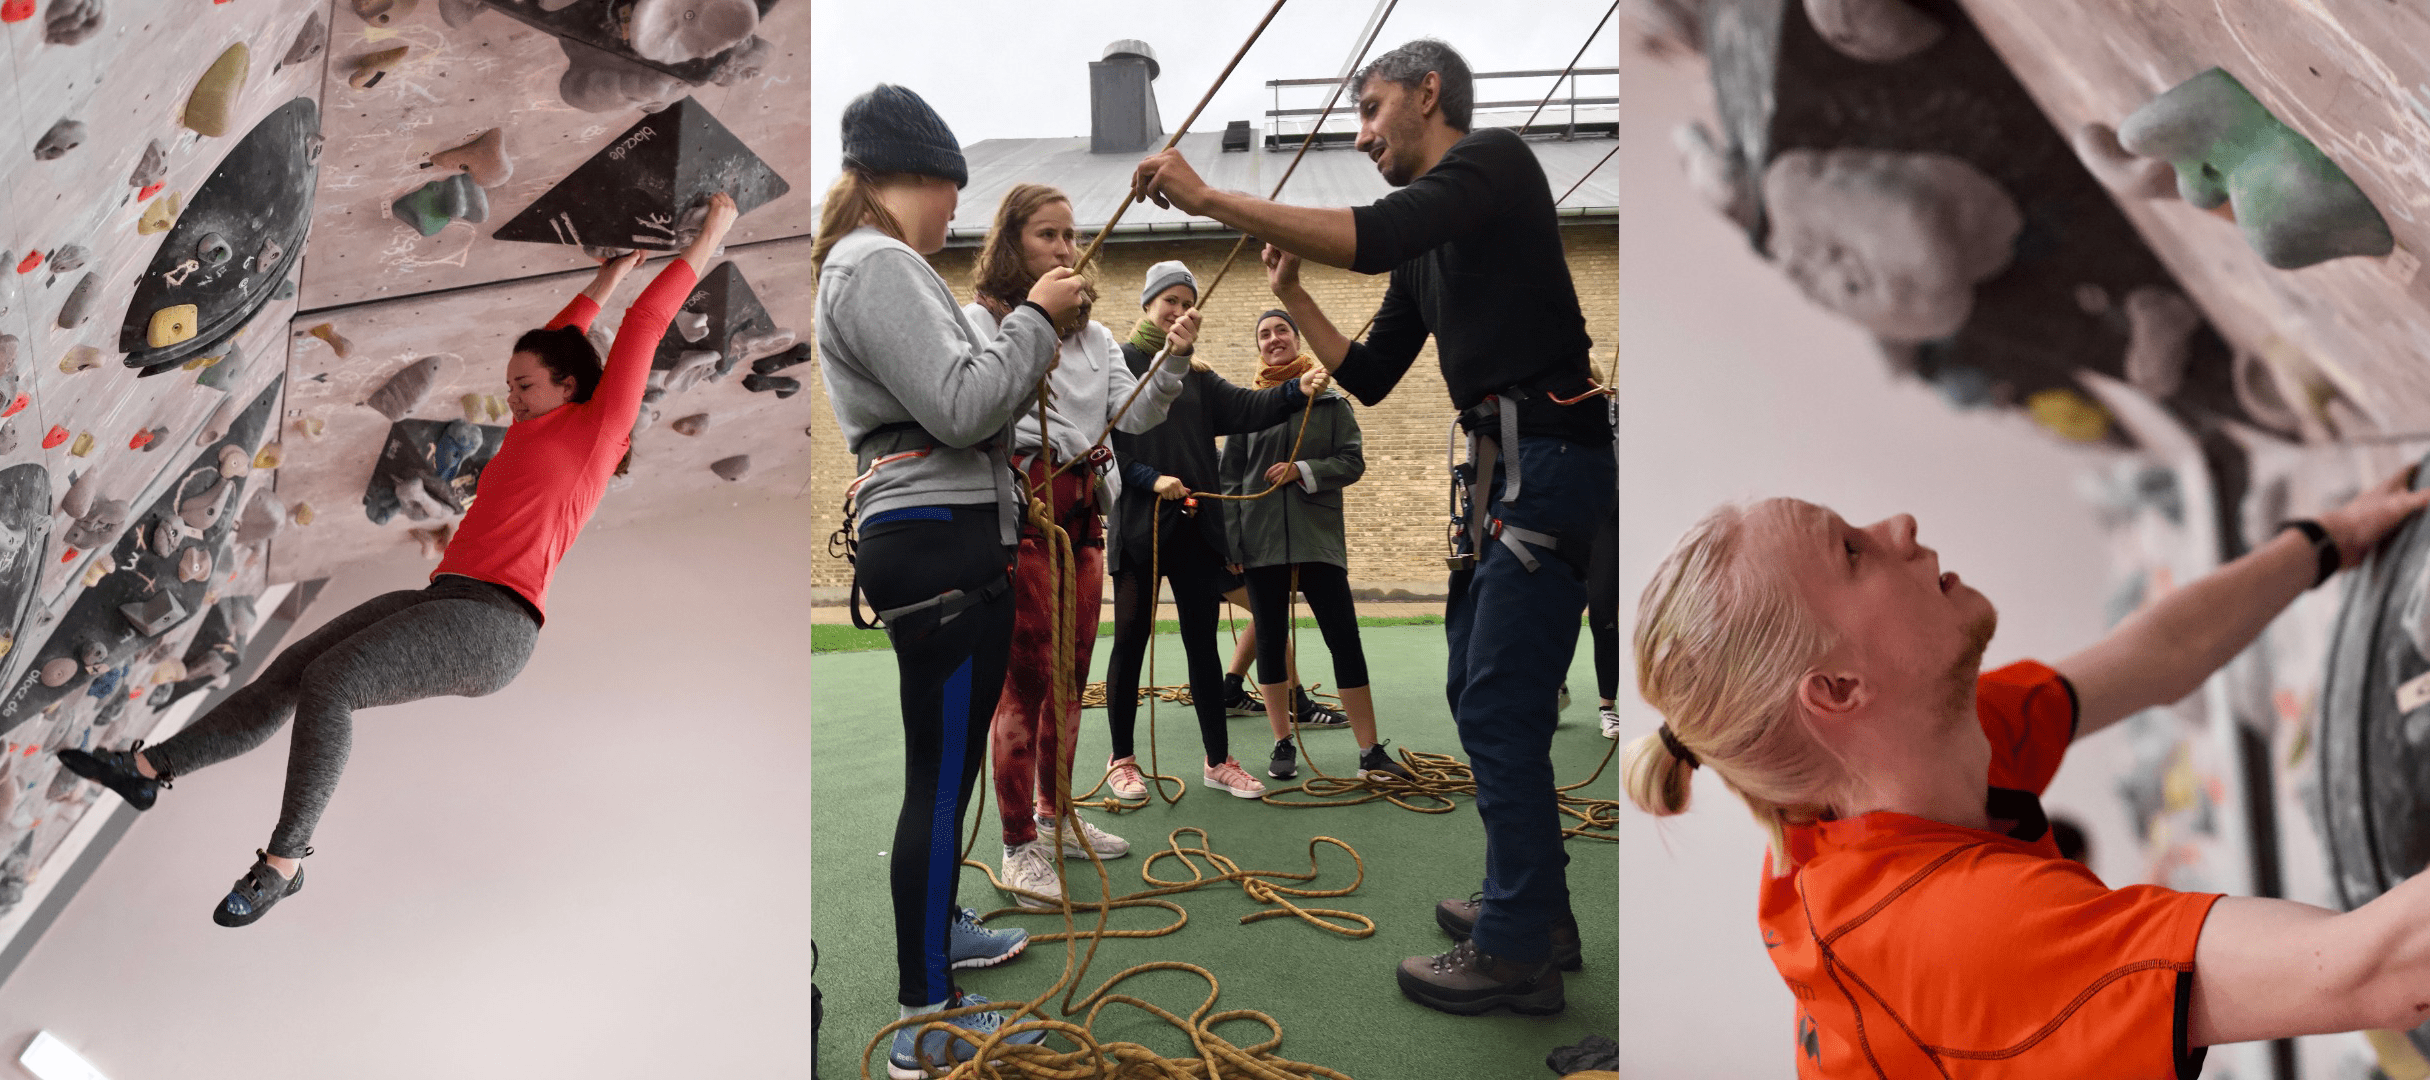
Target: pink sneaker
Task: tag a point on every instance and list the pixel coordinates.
(1123, 777)
(1229, 776)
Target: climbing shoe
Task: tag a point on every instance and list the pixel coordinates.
(943, 1049)
(1105, 844)
(1375, 763)
(1468, 982)
(970, 945)
(115, 770)
(1458, 918)
(1238, 701)
(1307, 713)
(256, 891)
(1286, 760)
(1611, 721)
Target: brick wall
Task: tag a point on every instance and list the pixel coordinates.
(1397, 512)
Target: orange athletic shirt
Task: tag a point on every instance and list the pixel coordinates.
(551, 471)
(1920, 949)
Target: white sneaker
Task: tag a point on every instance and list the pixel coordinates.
(1123, 778)
(1611, 722)
(1026, 867)
(1106, 844)
(1229, 776)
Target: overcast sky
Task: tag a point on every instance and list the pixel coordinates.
(998, 70)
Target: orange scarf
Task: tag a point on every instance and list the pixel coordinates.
(1272, 375)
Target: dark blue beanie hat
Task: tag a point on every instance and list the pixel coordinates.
(890, 130)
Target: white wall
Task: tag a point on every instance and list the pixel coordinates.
(601, 871)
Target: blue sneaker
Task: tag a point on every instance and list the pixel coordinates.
(970, 945)
(943, 1049)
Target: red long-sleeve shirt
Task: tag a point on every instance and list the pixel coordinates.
(551, 471)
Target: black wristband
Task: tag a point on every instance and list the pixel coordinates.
(1040, 309)
(2323, 548)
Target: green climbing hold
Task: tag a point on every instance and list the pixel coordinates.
(213, 102)
(430, 207)
(2295, 205)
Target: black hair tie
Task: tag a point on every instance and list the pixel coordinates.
(1677, 749)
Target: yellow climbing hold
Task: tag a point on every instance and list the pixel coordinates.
(83, 444)
(302, 513)
(2069, 415)
(98, 569)
(159, 214)
(472, 407)
(496, 406)
(80, 358)
(213, 102)
(201, 362)
(7, 642)
(173, 324)
(312, 426)
(269, 457)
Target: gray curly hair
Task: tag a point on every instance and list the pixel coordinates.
(1411, 63)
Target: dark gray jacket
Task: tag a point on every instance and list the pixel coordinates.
(1184, 447)
(1296, 524)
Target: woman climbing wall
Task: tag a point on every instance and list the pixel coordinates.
(1031, 237)
(1299, 530)
(1161, 540)
(469, 633)
(923, 398)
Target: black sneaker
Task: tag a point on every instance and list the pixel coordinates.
(1469, 982)
(1307, 713)
(1238, 701)
(115, 770)
(256, 891)
(1458, 918)
(1376, 764)
(1286, 760)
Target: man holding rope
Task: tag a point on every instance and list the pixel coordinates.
(1473, 246)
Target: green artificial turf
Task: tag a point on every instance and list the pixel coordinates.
(1335, 997)
(845, 637)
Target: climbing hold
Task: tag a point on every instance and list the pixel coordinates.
(2124, 174)
(213, 102)
(154, 615)
(83, 446)
(16, 10)
(596, 80)
(167, 536)
(79, 358)
(455, 446)
(689, 368)
(261, 518)
(194, 564)
(1892, 239)
(151, 169)
(310, 39)
(213, 249)
(69, 257)
(472, 406)
(71, 21)
(202, 511)
(484, 159)
(770, 365)
(171, 670)
(369, 69)
(495, 406)
(26, 265)
(98, 526)
(691, 425)
(2159, 323)
(2069, 415)
(693, 325)
(8, 352)
(2296, 206)
(201, 362)
(16, 406)
(234, 461)
(1876, 31)
(159, 215)
(744, 61)
(54, 437)
(675, 31)
(216, 428)
(63, 136)
(337, 341)
(783, 387)
(413, 497)
(79, 306)
(57, 672)
(269, 456)
(171, 325)
(760, 345)
(145, 440)
(430, 207)
(79, 498)
(403, 391)
(458, 13)
(434, 540)
(733, 468)
(311, 427)
(268, 255)
(383, 12)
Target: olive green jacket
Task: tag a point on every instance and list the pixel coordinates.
(1301, 523)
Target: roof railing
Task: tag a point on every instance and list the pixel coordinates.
(1567, 127)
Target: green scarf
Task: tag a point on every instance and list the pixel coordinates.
(1149, 336)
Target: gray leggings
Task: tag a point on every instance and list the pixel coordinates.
(459, 637)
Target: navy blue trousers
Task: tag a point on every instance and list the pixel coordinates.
(1512, 633)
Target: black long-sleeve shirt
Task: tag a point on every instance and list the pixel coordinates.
(1183, 446)
(1474, 248)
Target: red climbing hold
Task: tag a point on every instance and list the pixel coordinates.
(150, 190)
(16, 406)
(16, 11)
(137, 443)
(32, 259)
(69, 555)
(54, 437)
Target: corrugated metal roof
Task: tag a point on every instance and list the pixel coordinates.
(1328, 176)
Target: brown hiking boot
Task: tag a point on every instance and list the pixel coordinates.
(1458, 918)
(1468, 982)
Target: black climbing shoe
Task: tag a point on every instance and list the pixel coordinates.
(1376, 763)
(1286, 760)
(1238, 701)
(115, 770)
(1458, 918)
(1307, 713)
(1468, 982)
(256, 891)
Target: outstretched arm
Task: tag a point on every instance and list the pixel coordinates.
(628, 361)
(1328, 235)
(2269, 969)
(585, 306)
(2163, 652)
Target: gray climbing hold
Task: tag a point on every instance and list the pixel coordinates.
(262, 518)
(97, 527)
(1875, 31)
(285, 291)
(79, 306)
(1895, 240)
(268, 255)
(1715, 175)
(403, 392)
(70, 22)
(745, 61)
(766, 343)
(209, 667)
(384, 12)
(484, 159)
(691, 425)
(57, 672)
(69, 257)
(64, 786)
(430, 207)
(2159, 323)
(234, 461)
(693, 325)
(80, 494)
(414, 499)
(690, 366)
(152, 168)
(733, 468)
(770, 365)
(676, 31)
(195, 564)
(224, 375)
(168, 534)
(213, 249)
(9, 348)
(216, 428)
(309, 40)
(202, 511)
(596, 80)
(63, 136)
(154, 615)
(459, 13)
(780, 385)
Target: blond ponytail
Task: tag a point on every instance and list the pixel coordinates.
(851, 203)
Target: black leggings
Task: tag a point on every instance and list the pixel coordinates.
(1327, 588)
(1196, 572)
(951, 674)
(1603, 604)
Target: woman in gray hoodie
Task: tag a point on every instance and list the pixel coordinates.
(924, 401)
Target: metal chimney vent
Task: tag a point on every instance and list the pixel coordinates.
(1236, 135)
(1122, 99)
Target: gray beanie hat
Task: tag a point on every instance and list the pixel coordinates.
(891, 130)
(1165, 275)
